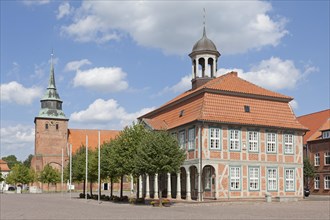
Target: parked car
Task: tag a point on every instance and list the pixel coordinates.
(11, 188)
(306, 191)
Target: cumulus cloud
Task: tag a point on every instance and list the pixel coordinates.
(63, 10)
(235, 27)
(106, 114)
(294, 104)
(105, 79)
(183, 85)
(17, 93)
(75, 65)
(17, 140)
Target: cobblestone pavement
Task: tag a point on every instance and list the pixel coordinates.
(59, 206)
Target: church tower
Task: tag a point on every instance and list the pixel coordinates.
(204, 57)
(51, 128)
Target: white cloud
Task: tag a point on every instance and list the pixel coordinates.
(15, 92)
(183, 85)
(106, 114)
(294, 104)
(63, 10)
(17, 140)
(234, 26)
(36, 2)
(106, 79)
(75, 65)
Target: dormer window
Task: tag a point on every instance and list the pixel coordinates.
(181, 113)
(325, 134)
(246, 108)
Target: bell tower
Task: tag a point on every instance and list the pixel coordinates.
(51, 128)
(204, 57)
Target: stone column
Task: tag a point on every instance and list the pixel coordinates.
(156, 187)
(169, 191)
(178, 186)
(188, 187)
(140, 187)
(147, 186)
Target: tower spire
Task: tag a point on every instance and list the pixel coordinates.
(51, 84)
(204, 21)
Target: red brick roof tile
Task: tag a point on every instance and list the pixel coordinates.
(313, 122)
(4, 166)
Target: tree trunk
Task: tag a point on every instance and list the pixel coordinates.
(84, 184)
(48, 187)
(137, 187)
(121, 186)
(91, 188)
(111, 187)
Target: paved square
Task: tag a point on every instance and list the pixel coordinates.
(57, 206)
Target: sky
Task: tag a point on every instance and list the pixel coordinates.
(116, 60)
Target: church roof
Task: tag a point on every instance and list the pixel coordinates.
(226, 100)
(77, 137)
(315, 122)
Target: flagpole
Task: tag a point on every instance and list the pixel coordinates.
(86, 167)
(99, 169)
(62, 173)
(70, 170)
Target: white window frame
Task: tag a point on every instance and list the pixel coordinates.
(234, 140)
(288, 143)
(235, 178)
(327, 182)
(271, 138)
(254, 178)
(272, 183)
(317, 182)
(289, 179)
(253, 141)
(325, 134)
(182, 141)
(215, 138)
(327, 158)
(191, 138)
(317, 159)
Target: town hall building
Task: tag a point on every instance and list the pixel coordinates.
(241, 140)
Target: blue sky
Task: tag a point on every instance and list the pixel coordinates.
(117, 60)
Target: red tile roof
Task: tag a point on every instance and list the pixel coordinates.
(314, 122)
(222, 100)
(77, 137)
(4, 166)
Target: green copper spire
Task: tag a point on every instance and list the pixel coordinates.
(51, 103)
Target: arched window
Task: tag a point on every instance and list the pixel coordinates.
(210, 63)
(201, 67)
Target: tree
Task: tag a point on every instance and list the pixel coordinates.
(1, 178)
(19, 174)
(159, 152)
(27, 161)
(11, 160)
(309, 171)
(50, 175)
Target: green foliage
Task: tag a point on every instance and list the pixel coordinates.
(27, 161)
(1, 178)
(20, 174)
(309, 171)
(159, 152)
(49, 175)
(11, 161)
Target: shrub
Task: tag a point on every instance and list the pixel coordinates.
(81, 195)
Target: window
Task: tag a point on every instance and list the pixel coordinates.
(246, 108)
(288, 143)
(326, 134)
(207, 177)
(272, 179)
(46, 126)
(57, 126)
(253, 178)
(317, 159)
(317, 182)
(215, 138)
(234, 140)
(191, 139)
(271, 142)
(182, 139)
(235, 178)
(327, 158)
(289, 179)
(327, 182)
(253, 141)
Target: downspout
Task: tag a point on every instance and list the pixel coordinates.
(200, 156)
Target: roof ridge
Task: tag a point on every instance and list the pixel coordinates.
(314, 113)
